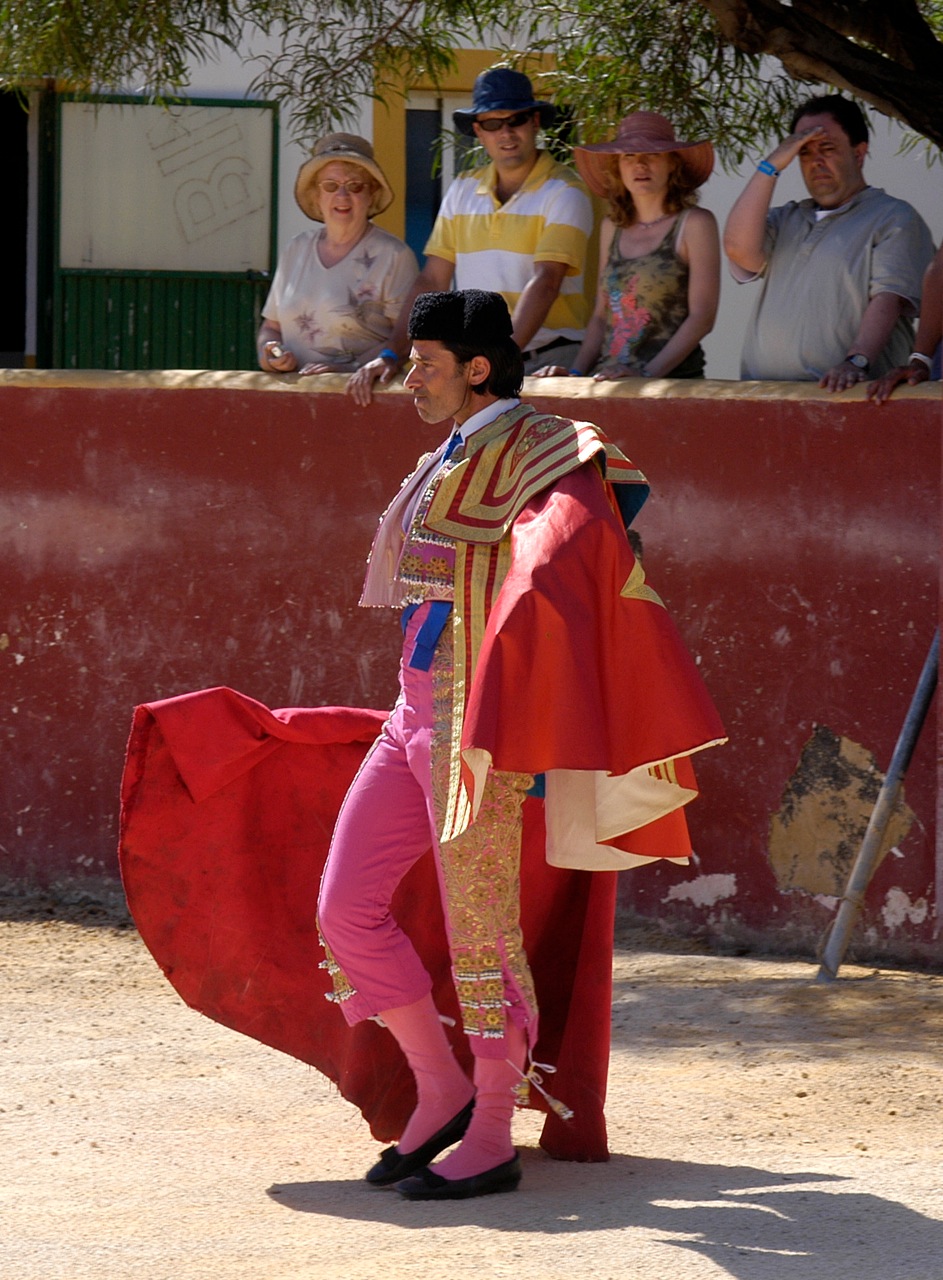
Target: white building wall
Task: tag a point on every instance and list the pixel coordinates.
(229, 76)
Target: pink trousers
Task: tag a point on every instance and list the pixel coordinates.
(387, 822)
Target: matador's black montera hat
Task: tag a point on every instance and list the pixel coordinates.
(469, 317)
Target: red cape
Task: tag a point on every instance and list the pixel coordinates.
(572, 674)
(581, 667)
(227, 814)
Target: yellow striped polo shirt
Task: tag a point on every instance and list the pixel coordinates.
(494, 246)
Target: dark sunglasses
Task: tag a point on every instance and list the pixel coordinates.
(513, 122)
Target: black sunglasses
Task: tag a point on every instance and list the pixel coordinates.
(512, 122)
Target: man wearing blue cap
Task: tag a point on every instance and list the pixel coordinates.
(520, 227)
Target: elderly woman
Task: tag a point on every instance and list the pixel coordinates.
(339, 287)
(659, 256)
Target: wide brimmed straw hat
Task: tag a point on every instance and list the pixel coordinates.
(643, 132)
(339, 146)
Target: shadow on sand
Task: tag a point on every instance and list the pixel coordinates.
(754, 1222)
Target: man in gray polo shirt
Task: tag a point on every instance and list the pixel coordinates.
(840, 272)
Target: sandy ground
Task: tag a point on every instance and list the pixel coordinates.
(763, 1127)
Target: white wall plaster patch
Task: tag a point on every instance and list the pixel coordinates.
(827, 901)
(899, 910)
(705, 891)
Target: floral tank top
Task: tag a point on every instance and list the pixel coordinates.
(648, 302)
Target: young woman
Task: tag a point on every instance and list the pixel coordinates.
(659, 256)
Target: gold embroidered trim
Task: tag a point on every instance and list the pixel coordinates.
(480, 571)
(666, 771)
(481, 878)
(636, 588)
(511, 460)
(342, 988)
(480, 992)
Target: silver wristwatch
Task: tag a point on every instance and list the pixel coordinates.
(859, 361)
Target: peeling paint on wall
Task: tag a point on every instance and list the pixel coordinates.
(705, 891)
(899, 910)
(815, 837)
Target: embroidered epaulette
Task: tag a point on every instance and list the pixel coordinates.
(513, 459)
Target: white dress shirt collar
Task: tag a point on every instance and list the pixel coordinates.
(486, 415)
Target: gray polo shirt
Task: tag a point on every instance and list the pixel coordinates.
(819, 278)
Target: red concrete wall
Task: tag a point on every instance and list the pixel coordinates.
(167, 532)
(796, 539)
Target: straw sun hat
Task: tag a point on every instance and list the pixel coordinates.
(352, 150)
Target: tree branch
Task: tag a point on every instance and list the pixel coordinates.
(809, 49)
(897, 30)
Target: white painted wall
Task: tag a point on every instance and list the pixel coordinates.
(228, 76)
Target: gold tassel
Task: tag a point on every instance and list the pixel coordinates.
(532, 1076)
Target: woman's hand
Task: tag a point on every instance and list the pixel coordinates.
(550, 371)
(275, 358)
(613, 372)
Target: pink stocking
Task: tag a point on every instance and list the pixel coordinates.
(487, 1143)
(442, 1086)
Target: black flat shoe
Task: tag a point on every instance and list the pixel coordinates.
(393, 1166)
(427, 1185)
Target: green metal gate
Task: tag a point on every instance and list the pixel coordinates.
(111, 320)
(146, 194)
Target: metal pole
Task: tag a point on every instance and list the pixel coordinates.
(853, 898)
